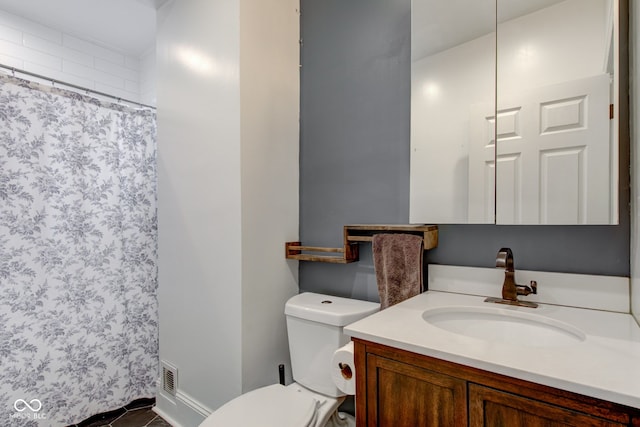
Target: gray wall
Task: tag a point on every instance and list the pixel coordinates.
(354, 158)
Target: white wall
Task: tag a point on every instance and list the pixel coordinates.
(444, 88)
(634, 62)
(199, 205)
(269, 101)
(537, 50)
(42, 50)
(228, 196)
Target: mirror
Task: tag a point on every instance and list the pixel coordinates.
(555, 75)
(452, 75)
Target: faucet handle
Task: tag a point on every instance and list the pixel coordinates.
(534, 286)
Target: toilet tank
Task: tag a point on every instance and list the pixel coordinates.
(314, 326)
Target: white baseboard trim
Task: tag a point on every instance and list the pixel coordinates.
(166, 417)
(181, 410)
(193, 404)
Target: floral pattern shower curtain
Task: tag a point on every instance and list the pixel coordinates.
(78, 249)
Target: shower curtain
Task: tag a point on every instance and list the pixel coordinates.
(78, 255)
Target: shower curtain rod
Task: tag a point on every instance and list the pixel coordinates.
(84, 89)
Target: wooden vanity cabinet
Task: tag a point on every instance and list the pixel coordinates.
(405, 395)
(397, 388)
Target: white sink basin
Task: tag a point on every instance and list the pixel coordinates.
(495, 324)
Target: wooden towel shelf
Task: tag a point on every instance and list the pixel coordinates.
(355, 234)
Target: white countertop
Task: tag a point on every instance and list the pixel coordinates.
(605, 365)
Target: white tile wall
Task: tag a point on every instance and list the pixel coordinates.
(148, 72)
(38, 49)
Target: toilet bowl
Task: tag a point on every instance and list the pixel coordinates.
(314, 327)
(280, 406)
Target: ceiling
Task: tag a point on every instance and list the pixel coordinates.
(128, 26)
(438, 25)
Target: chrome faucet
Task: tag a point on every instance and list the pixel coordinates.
(511, 290)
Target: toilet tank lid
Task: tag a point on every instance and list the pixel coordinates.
(330, 310)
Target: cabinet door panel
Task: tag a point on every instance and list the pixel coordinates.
(493, 408)
(402, 395)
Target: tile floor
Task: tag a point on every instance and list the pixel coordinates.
(136, 414)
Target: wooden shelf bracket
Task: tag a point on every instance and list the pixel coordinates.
(355, 234)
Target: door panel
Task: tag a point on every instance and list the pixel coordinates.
(494, 408)
(553, 155)
(564, 148)
(402, 395)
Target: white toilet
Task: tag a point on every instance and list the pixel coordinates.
(314, 325)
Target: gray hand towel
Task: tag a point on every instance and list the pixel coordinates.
(397, 259)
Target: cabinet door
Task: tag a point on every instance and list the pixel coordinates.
(403, 395)
(493, 408)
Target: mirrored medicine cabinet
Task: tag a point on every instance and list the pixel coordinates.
(514, 111)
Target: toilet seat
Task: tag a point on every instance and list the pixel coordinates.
(275, 405)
